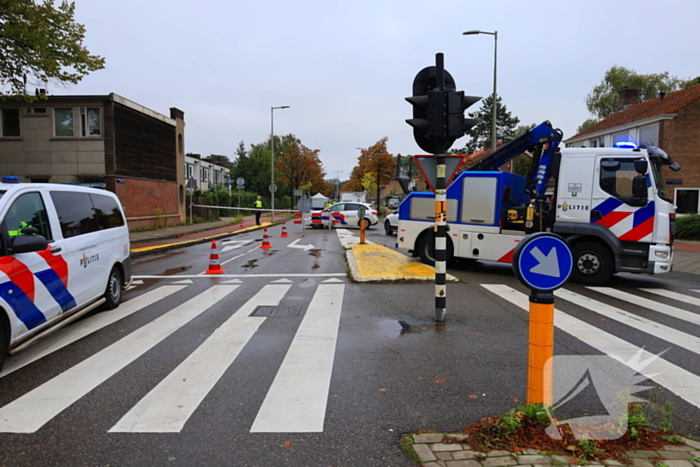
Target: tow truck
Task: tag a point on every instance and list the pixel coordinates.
(610, 204)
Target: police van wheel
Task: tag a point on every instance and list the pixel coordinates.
(593, 263)
(113, 294)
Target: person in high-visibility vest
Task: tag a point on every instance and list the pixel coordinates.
(258, 212)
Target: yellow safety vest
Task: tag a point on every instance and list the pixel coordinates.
(258, 203)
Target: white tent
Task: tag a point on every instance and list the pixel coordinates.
(318, 201)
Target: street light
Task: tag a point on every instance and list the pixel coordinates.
(272, 158)
(495, 55)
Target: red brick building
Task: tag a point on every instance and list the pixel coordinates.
(671, 122)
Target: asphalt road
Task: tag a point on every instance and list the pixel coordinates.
(282, 361)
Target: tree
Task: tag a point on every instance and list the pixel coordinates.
(217, 159)
(301, 166)
(42, 42)
(374, 160)
(481, 132)
(603, 100)
(521, 163)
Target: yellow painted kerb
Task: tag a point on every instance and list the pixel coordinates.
(378, 262)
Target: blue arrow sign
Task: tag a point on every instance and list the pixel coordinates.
(543, 261)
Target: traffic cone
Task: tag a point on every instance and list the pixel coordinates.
(265, 243)
(214, 265)
(242, 226)
(284, 230)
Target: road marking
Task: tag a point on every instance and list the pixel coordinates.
(297, 399)
(236, 244)
(659, 330)
(225, 276)
(674, 295)
(650, 304)
(172, 402)
(682, 382)
(303, 247)
(80, 329)
(33, 410)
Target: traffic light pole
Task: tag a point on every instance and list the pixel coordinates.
(440, 241)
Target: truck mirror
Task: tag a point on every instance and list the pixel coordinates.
(641, 166)
(28, 243)
(675, 166)
(639, 187)
(611, 166)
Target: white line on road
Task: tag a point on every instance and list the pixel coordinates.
(37, 407)
(78, 330)
(675, 296)
(650, 304)
(169, 405)
(329, 274)
(297, 399)
(683, 383)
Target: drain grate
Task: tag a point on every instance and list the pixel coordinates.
(277, 311)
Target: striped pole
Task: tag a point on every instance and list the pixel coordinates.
(440, 241)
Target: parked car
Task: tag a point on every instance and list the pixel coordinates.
(348, 214)
(64, 250)
(391, 223)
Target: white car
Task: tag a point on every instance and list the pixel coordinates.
(391, 223)
(347, 214)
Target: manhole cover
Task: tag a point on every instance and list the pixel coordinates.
(277, 311)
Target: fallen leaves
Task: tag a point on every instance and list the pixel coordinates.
(287, 444)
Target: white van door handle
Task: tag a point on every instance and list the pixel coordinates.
(56, 249)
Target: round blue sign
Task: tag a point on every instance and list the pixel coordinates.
(543, 261)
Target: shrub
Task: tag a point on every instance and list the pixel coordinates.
(688, 227)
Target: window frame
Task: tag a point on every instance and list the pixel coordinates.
(2, 123)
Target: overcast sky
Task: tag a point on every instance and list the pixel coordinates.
(345, 67)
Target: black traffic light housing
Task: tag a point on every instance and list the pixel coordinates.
(438, 109)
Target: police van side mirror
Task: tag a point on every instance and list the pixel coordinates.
(27, 243)
(640, 193)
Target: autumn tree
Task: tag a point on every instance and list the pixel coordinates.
(603, 100)
(301, 166)
(41, 42)
(374, 160)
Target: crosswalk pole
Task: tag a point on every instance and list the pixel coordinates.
(540, 348)
(440, 241)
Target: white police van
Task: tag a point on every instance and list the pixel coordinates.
(64, 251)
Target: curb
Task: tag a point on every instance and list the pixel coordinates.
(136, 252)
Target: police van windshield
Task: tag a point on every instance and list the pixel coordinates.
(659, 180)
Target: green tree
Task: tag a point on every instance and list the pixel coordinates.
(481, 132)
(41, 42)
(604, 99)
(586, 125)
(521, 163)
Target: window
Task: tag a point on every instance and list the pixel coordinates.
(649, 135)
(9, 122)
(37, 110)
(90, 121)
(63, 122)
(687, 200)
(75, 213)
(616, 177)
(28, 211)
(620, 136)
(107, 211)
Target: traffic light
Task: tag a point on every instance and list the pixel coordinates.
(438, 109)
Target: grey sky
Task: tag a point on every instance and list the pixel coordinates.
(345, 67)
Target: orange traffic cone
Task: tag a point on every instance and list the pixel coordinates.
(284, 230)
(214, 265)
(242, 226)
(265, 243)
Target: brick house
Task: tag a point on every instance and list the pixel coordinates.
(669, 121)
(104, 141)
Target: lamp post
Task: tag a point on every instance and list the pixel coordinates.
(495, 56)
(273, 188)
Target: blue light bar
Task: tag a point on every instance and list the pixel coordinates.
(10, 180)
(625, 144)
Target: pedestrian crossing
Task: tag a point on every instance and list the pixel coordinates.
(673, 377)
(171, 403)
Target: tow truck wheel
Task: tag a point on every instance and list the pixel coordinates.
(113, 294)
(426, 249)
(593, 263)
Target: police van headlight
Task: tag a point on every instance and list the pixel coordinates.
(661, 254)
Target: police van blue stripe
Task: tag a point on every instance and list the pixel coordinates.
(608, 206)
(643, 214)
(23, 307)
(55, 286)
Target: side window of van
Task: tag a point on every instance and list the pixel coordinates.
(75, 213)
(28, 211)
(108, 213)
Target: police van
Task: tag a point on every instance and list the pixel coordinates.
(64, 251)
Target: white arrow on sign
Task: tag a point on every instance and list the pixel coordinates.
(549, 265)
(302, 247)
(233, 244)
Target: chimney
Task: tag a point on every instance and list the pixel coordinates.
(176, 113)
(662, 94)
(628, 97)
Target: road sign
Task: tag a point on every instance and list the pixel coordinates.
(240, 181)
(428, 166)
(191, 184)
(273, 188)
(543, 261)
